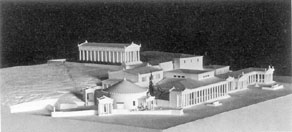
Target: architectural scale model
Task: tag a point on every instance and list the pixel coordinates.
(187, 81)
(141, 88)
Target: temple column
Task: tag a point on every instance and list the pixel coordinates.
(117, 56)
(114, 57)
(110, 56)
(101, 56)
(105, 56)
(132, 57)
(135, 55)
(90, 55)
(121, 57)
(83, 55)
(94, 55)
(87, 52)
(98, 56)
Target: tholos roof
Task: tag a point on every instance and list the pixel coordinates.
(124, 87)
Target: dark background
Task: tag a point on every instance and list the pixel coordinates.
(240, 34)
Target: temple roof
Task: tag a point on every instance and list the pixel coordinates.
(182, 84)
(125, 87)
(116, 45)
(238, 73)
(142, 70)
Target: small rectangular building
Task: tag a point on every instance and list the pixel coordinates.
(192, 63)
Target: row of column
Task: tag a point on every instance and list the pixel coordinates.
(260, 78)
(109, 56)
(204, 95)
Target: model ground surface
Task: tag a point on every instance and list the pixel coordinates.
(29, 83)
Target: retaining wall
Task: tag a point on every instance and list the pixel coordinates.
(32, 106)
(74, 113)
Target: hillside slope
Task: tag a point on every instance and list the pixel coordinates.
(26, 83)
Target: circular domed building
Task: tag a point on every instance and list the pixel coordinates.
(127, 95)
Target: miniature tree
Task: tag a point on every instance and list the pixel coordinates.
(151, 86)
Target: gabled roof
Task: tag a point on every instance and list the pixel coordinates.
(124, 87)
(238, 73)
(116, 45)
(188, 71)
(182, 84)
(142, 70)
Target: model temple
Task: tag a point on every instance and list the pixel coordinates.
(110, 52)
(161, 88)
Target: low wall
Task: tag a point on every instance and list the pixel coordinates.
(32, 106)
(151, 112)
(74, 113)
(162, 103)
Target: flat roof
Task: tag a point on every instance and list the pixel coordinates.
(188, 71)
(214, 66)
(236, 74)
(142, 70)
(156, 57)
(182, 84)
(111, 80)
(116, 45)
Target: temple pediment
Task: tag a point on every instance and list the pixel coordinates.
(133, 46)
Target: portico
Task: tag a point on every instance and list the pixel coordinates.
(109, 52)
